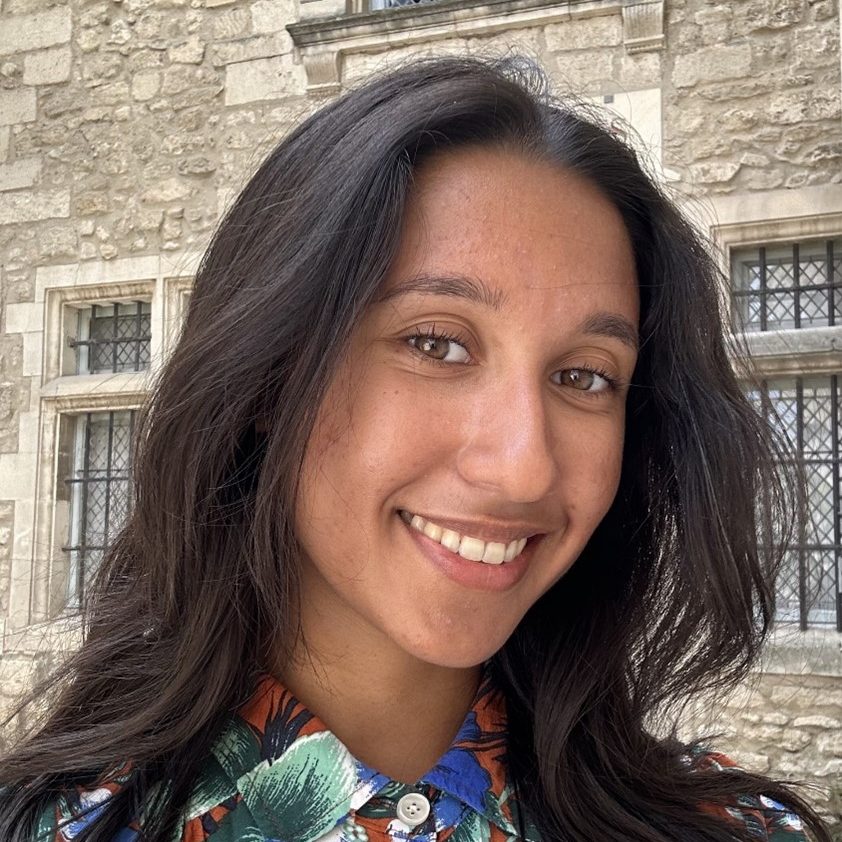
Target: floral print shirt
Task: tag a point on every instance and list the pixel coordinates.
(277, 774)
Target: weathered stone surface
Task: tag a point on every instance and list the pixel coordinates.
(258, 46)
(714, 173)
(146, 85)
(584, 72)
(830, 743)
(166, 190)
(17, 106)
(189, 51)
(230, 24)
(47, 67)
(23, 172)
(268, 16)
(35, 31)
(30, 207)
(712, 64)
(5, 132)
(269, 78)
(583, 34)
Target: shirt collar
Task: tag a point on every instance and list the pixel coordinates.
(273, 734)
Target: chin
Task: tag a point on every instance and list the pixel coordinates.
(456, 652)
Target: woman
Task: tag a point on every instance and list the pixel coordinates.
(449, 341)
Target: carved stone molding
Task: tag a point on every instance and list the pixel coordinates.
(643, 25)
(323, 41)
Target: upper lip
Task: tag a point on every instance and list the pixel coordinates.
(499, 531)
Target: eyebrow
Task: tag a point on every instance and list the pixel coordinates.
(612, 326)
(459, 286)
(606, 324)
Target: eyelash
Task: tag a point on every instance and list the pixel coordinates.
(432, 333)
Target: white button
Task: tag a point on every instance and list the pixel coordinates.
(413, 809)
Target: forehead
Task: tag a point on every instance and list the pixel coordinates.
(521, 225)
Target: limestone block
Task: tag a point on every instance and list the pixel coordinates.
(16, 675)
(230, 24)
(166, 190)
(712, 64)
(258, 46)
(47, 67)
(816, 721)
(145, 85)
(29, 207)
(23, 172)
(32, 354)
(57, 241)
(830, 743)
(268, 16)
(583, 72)
(24, 317)
(589, 33)
(794, 740)
(265, 78)
(714, 173)
(35, 31)
(190, 51)
(4, 142)
(17, 106)
(639, 70)
(754, 762)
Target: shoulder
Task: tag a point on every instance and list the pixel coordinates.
(763, 817)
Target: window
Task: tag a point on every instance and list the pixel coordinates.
(112, 337)
(807, 410)
(393, 4)
(796, 288)
(788, 287)
(99, 489)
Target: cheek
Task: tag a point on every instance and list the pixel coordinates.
(592, 469)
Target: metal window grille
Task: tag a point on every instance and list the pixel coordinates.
(807, 410)
(394, 4)
(788, 287)
(100, 492)
(113, 337)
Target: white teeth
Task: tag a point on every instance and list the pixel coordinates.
(474, 549)
(431, 530)
(450, 539)
(495, 553)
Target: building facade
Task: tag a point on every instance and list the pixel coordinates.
(126, 126)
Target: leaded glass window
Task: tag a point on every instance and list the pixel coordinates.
(100, 491)
(783, 287)
(113, 337)
(393, 4)
(806, 410)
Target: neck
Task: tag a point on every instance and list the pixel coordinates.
(395, 713)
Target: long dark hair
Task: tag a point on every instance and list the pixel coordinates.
(671, 597)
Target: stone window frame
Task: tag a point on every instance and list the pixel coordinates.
(745, 221)
(323, 38)
(40, 596)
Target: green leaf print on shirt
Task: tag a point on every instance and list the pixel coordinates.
(472, 828)
(305, 792)
(212, 787)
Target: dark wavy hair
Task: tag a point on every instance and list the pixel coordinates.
(671, 597)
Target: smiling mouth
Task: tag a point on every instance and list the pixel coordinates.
(466, 546)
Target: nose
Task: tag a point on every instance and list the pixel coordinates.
(508, 444)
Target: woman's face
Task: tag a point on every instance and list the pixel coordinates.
(482, 395)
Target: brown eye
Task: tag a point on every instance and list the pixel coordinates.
(433, 347)
(440, 348)
(578, 378)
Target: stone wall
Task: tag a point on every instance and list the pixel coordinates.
(126, 126)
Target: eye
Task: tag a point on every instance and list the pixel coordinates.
(585, 380)
(440, 347)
